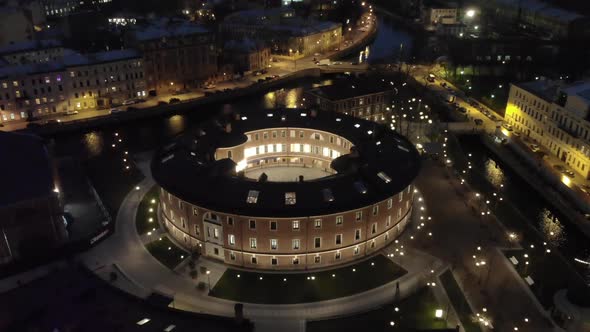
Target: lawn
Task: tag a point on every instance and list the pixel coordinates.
(166, 252)
(308, 286)
(459, 302)
(146, 219)
(415, 313)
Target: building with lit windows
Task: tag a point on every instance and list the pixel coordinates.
(59, 8)
(364, 98)
(31, 215)
(556, 116)
(283, 31)
(73, 83)
(177, 53)
(246, 55)
(286, 189)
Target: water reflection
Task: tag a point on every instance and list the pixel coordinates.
(390, 42)
(494, 174)
(175, 124)
(552, 228)
(93, 142)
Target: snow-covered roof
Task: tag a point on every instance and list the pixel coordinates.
(165, 27)
(29, 46)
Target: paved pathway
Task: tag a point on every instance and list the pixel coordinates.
(457, 232)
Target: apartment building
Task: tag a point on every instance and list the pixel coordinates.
(177, 53)
(74, 83)
(363, 98)
(556, 116)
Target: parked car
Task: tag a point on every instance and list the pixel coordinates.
(535, 148)
(570, 173)
(263, 71)
(507, 126)
(478, 122)
(443, 84)
(129, 102)
(463, 110)
(558, 167)
(174, 101)
(116, 111)
(71, 112)
(275, 76)
(260, 80)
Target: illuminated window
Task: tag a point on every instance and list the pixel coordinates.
(252, 243)
(296, 244)
(274, 244)
(231, 239)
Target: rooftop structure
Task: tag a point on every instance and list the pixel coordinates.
(166, 28)
(346, 89)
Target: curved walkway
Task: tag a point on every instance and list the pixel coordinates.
(125, 253)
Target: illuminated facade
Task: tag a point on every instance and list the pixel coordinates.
(207, 203)
(73, 83)
(556, 117)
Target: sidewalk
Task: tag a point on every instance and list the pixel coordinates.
(457, 232)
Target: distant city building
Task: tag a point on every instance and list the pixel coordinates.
(246, 55)
(74, 83)
(556, 116)
(553, 21)
(58, 8)
(283, 31)
(33, 52)
(363, 98)
(436, 12)
(177, 53)
(31, 215)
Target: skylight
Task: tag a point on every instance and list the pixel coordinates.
(360, 187)
(244, 118)
(384, 177)
(290, 198)
(167, 158)
(328, 196)
(356, 125)
(143, 321)
(252, 197)
(269, 115)
(403, 148)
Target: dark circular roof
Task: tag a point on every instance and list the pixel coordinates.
(385, 165)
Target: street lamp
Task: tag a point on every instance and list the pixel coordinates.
(470, 13)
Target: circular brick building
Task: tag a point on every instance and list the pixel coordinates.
(347, 193)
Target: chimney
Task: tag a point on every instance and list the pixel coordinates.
(300, 178)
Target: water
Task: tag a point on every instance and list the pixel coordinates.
(151, 133)
(390, 40)
(525, 202)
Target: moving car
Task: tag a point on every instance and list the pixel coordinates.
(116, 111)
(129, 101)
(71, 112)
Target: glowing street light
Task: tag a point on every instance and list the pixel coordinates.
(470, 13)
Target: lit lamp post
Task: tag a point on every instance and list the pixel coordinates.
(208, 279)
